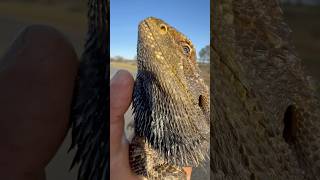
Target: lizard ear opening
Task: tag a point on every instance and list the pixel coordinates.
(290, 124)
(200, 101)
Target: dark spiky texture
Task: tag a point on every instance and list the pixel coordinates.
(146, 162)
(90, 128)
(170, 100)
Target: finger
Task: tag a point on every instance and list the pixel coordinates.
(121, 88)
(36, 79)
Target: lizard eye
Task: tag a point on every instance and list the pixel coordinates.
(163, 28)
(186, 49)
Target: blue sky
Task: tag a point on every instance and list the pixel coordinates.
(191, 17)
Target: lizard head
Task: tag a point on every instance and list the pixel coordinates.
(170, 100)
(169, 49)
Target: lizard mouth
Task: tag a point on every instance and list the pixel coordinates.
(150, 38)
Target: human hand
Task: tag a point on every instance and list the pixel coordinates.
(121, 88)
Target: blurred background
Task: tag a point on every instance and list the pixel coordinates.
(303, 18)
(69, 16)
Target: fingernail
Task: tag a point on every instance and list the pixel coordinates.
(122, 76)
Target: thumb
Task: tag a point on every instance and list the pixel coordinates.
(121, 88)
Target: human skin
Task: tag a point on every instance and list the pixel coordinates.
(37, 76)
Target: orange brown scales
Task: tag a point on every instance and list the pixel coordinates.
(171, 103)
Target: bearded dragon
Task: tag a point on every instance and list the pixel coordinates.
(170, 102)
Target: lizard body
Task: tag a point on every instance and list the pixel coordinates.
(171, 104)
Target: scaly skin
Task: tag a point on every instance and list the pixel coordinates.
(171, 104)
(266, 115)
(90, 128)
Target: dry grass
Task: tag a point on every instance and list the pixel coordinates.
(127, 65)
(132, 67)
(205, 72)
(58, 15)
